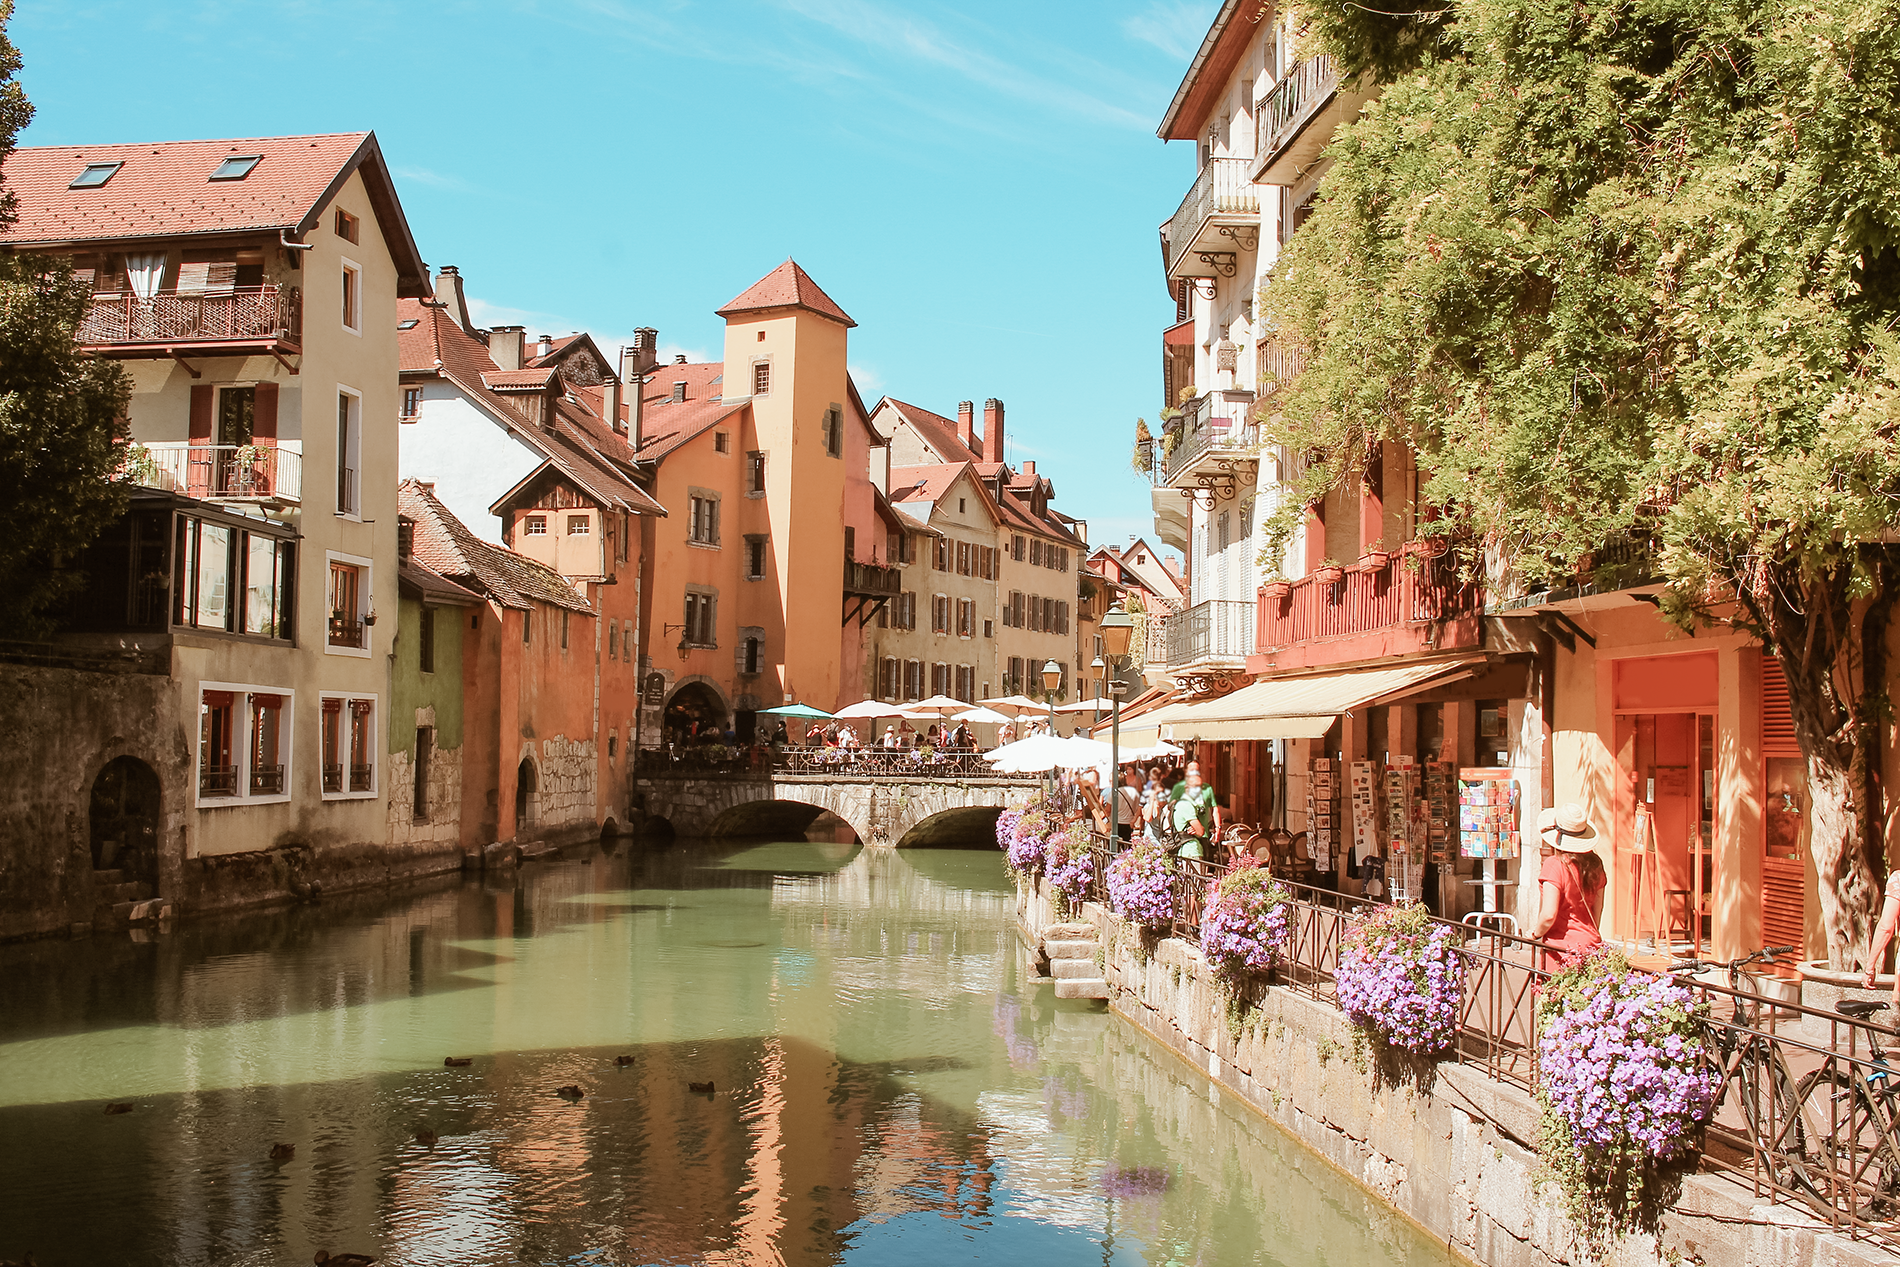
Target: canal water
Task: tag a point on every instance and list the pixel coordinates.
(887, 1085)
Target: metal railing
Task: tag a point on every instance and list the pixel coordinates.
(1808, 1110)
(1214, 630)
(1223, 187)
(1405, 590)
(1294, 100)
(244, 313)
(217, 472)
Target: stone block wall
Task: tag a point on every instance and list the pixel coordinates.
(1452, 1150)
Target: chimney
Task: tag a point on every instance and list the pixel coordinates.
(993, 431)
(679, 390)
(448, 293)
(645, 349)
(632, 361)
(544, 345)
(504, 346)
(966, 423)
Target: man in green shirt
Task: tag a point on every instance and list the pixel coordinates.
(1195, 813)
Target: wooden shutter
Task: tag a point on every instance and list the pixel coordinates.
(203, 400)
(263, 413)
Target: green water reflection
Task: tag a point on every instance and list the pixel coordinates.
(888, 1087)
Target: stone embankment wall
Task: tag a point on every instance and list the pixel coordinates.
(1452, 1151)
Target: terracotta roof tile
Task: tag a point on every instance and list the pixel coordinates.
(787, 286)
(444, 545)
(165, 189)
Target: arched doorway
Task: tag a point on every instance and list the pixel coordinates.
(694, 711)
(125, 819)
(526, 782)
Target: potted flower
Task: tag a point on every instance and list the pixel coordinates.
(1398, 978)
(1141, 886)
(1328, 572)
(1277, 588)
(1374, 557)
(1247, 924)
(1625, 1080)
(1069, 865)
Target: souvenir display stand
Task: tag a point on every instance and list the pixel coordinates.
(1488, 818)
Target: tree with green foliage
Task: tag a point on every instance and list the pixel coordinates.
(1633, 269)
(62, 414)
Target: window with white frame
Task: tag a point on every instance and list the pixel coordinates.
(352, 297)
(349, 452)
(244, 738)
(347, 738)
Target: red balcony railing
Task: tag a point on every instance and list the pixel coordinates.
(1410, 589)
(249, 313)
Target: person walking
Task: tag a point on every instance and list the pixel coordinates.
(1195, 812)
(1570, 885)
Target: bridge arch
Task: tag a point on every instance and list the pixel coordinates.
(961, 827)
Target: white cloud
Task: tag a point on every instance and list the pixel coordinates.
(1176, 27)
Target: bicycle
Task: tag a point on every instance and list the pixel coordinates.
(1852, 1122)
(1770, 1096)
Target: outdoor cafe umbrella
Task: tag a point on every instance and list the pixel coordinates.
(798, 710)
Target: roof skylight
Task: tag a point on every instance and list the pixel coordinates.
(95, 175)
(237, 167)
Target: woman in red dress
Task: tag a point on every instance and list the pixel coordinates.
(1570, 886)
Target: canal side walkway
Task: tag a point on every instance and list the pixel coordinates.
(1442, 1144)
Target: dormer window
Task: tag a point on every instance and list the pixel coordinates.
(237, 167)
(95, 175)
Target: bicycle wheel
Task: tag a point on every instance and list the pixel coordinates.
(1847, 1146)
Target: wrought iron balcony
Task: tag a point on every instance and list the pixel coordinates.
(122, 324)
(1285, 143)
(218, 472)
(1216, 630)
(1219, 218)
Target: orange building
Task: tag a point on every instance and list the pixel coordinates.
(763, 460)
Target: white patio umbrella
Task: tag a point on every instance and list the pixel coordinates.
(870, 708)
(981, 715)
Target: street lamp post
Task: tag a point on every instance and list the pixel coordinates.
(1116, 630)
(1051, 683)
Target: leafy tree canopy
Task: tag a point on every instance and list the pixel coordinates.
(1631, 266)
(61, 414)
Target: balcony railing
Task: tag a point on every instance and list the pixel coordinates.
(1405, 591)
(1222, 188)
(1215, 630)
(1198, 431)
(218, 472)
(346, 631)
(871, 579)
(1292, 104)
(250, 314)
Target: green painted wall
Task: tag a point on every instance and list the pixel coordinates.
(411, 688)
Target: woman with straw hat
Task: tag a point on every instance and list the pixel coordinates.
(1570, 886)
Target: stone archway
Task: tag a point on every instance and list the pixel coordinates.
(527, 783)
(694, 702)
(125, 819)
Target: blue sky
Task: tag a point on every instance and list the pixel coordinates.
(977, 184)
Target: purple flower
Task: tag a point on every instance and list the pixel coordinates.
(1247, 923)
(1141, 885)
(1399, 977)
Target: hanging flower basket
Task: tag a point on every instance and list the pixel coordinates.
(1141, 886)
(1247, 924)
(1399, 978)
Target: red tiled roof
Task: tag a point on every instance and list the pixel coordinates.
(939, 432)
(787, 286)
(438, 342)
(444, 545)
(165, 189)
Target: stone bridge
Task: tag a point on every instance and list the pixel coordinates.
(882, 811)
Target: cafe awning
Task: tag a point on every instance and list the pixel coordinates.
(1297, 707)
